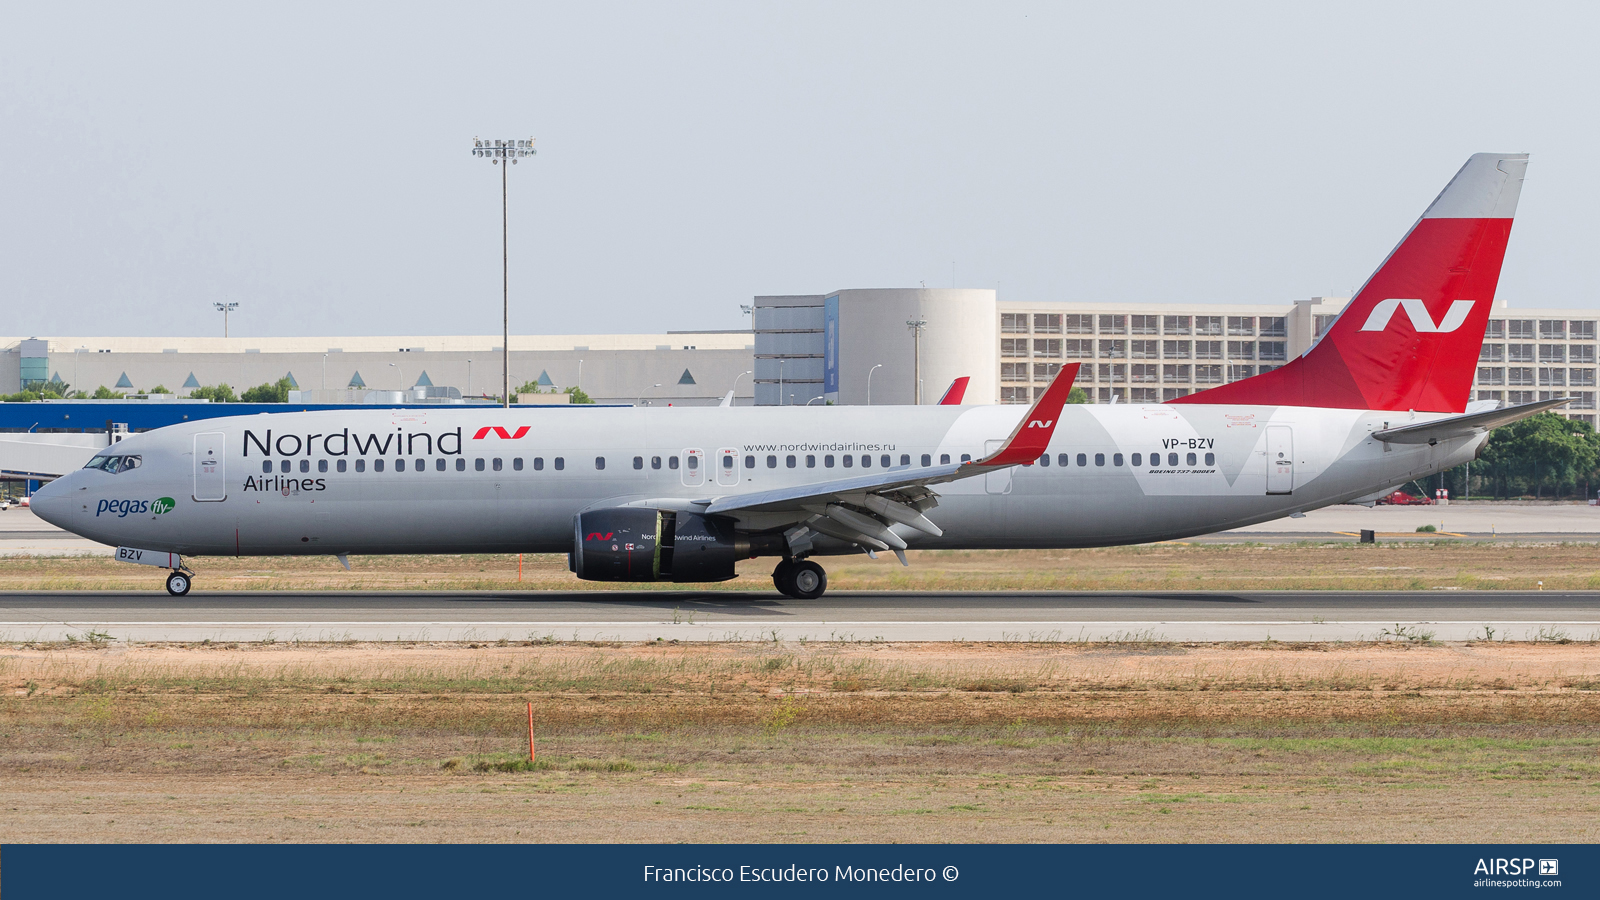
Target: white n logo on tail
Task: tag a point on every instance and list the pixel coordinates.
(1420, 319)
(1041, 423)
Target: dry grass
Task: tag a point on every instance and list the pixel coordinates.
(788, 743)
(1171, 566)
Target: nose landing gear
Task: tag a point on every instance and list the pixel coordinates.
(800, 579)
(178, 583)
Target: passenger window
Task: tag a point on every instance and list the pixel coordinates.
(848, 460)
(1192, 459)
(477, 464)
(966, 457)
(789, 461)
(599, 463)
(461, 464)
(439, 464)
(1045, 460)
(672, 462)
(772, 461)
(1062, 459)
(422, 465)
(266, 466)
(538, 464)
(727, 461)
(1083, 460)
(693, 463)
(305, 465)
(561, 463)
(884, 461)
(1099, 459)
(655, 462)
(399, 465)
(811, 461)
(1116, 459)
(497, 464)
(377, 465)
(1172, 459)
(638, 462)
(1136, 460)
(516, 463)
(866, 460)
(827, 460)
(749, 462)
(1211, 459)
(339, 465)
(322, 465)
(927, 460)
(361, 465)
(905, 459)
(944, 459)
(283, 465)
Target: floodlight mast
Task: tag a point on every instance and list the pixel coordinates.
(225, 308)
(508, 152)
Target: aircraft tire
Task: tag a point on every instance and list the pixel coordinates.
(809, 580)
(178, 584)
(783, 577)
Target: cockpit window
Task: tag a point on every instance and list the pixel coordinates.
(115, 464)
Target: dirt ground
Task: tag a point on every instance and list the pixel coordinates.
(777, 742)
(1422, 565)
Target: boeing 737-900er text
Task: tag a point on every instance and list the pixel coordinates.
(681, 494)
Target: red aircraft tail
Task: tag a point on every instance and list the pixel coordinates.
(956, 391)
(1409, 339)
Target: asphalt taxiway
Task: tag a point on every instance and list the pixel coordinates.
(843, 616)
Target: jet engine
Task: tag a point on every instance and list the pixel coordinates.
(640, 544)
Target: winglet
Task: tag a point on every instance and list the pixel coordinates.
(956, 391)
(1032, 434)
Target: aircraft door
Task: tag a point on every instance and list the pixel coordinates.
(998, 481)
(694, 468)
(1280, 459)
(210, 466)
(728, 467)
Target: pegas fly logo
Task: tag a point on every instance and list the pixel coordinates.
(124, 508)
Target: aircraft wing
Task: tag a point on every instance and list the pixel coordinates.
(860, 509)
(1464, 426)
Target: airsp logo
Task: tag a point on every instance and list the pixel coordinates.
(1421, 320)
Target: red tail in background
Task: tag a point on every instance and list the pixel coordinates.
(956, 391)
(1409, 339)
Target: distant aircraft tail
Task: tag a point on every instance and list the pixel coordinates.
(1410, 338)
(954, 393)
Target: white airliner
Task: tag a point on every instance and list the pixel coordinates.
(676, 494)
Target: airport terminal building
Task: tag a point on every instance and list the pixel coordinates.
(857, 346)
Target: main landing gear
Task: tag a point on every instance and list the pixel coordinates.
(801, 579)
(178, 583)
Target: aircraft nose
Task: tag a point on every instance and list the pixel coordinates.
(50, 502)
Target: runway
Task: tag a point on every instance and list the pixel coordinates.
(874, 616)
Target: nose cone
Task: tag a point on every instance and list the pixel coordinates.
(51, 503)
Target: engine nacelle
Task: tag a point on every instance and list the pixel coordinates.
(636, 544)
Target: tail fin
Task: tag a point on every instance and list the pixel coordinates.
(1409, 339)
(957, 390)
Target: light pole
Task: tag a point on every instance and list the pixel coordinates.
(736, 381)
(324, 371)
(869, 381)
(469, 378)
(401, 372)
(640, 401)
(225, 308)
(504, 153)
(580, 374)
(916, 326)
(781, 361)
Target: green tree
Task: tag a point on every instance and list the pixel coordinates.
(1543, 451)
(158, 389)
(532, 387)
(276, 392)
(221, 393)
(577, 395)
(1077, 395)
(104, 393)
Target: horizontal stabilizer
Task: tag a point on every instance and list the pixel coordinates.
(1464, 426)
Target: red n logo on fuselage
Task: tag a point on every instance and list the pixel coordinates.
(500, 433)
(597, 536)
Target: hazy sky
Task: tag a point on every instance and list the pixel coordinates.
(311, 161)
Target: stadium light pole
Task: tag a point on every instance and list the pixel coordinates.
(869, 381)
(401, 372)
(225, 308)
(505, 154)
(916, 326)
